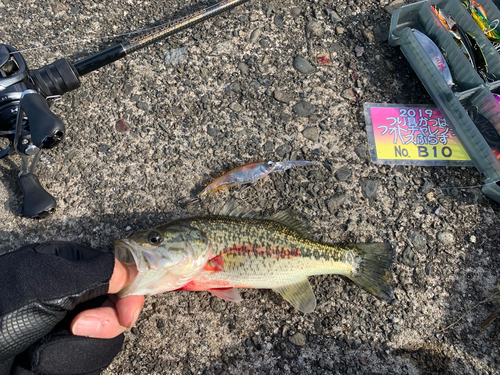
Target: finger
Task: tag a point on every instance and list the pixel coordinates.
(128, 309)
(108, 321)
(123, 274)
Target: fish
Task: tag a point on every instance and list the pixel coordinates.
(233, 249)
(435, 55)
(248, 174)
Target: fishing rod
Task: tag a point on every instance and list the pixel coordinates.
(25, 117)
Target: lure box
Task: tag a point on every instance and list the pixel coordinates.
(470, 89)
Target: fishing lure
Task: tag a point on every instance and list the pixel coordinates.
(466, 42)
(435, 55)
(249, 174)
(479, 15)
(487, 130)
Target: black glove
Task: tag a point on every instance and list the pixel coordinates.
(40, 286)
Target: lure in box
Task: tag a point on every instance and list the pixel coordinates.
(469, 89)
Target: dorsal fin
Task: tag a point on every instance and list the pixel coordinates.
(290, 219)
(236, 209)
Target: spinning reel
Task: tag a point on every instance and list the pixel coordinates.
(26, 120)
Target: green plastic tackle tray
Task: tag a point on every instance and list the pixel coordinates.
(470, 90)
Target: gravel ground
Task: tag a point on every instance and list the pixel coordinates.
(250, 88)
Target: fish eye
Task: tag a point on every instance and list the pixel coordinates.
(270, 163)
(154, 238)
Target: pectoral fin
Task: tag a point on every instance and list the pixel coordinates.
(228, 294)
(300, 295)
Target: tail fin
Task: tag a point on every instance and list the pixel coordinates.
(372, 268)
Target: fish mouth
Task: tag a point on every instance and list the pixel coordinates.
(126, 251)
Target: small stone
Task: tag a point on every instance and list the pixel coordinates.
(303, 109)
(279, 19)
(283, 150)
(315, 29)
(243, 68)
(121, 126)
(333, 16)
(175, 56)
(269, 146)
(254, 37)
(103, 148)
(335, 202)
(446, 238)
(324, 59)
(343, 174)
(142, 105)
(359, 51)
(418, 240)
(349, 94)
(235, 87)
(340, 30)
(392, 7)
(362, 152)
(283, 97)
(235, 106)
(128, 228)
(295, 12)
(268, 8)
(221, 48)
(369, 188)
(298, 339)
(311, 133)
(370, 38)
(160, 323)
(472, 239)
(389, 65)
(303, 66)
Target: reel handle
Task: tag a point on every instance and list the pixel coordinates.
(37, 202)
(47, 130)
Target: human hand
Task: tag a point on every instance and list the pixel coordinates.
(42, 288)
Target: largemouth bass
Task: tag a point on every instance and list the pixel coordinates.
(221, 253)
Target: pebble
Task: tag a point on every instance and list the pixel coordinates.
(295, 12)
(359, 51)
(279, 19)
(335, 202)
(314, 29)
(362, 152)
(282, 96)
(446, 238)
(368, 35)
(418, 240)
(303, 66)
(254, 37)
(243, 68)
(268, 8)
(235, 87)
(343, 174)
(472, 239)
(349, 94)
(311, 133)
(298, 339)
(339, 30)
(175, 56)
(283, 150)
(369, 188)
(235, 106)
(122, 126)
(333, 16)
(303, 109)
(392, 7)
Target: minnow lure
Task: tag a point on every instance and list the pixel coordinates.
(487, 130)
(435, 55)
(479, 15)
(249, 174)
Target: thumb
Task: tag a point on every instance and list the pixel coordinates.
(123, 275)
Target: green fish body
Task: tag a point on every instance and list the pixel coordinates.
(244, 252)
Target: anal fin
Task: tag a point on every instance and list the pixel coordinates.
(300, 295)
(227, 294)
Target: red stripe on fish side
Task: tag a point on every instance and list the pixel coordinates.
(200, 284)
(273, 252)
